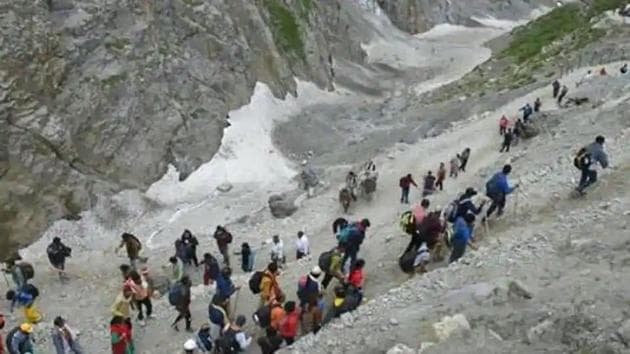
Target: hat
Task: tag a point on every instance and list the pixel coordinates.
(471, 191)
(190, 345)
(26, 328)
(316, 271)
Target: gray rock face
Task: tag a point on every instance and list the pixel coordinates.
(282, 205)
(416, 16)
(98, 96)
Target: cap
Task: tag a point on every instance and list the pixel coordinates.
(471, 191)
(26, 327)
(316, 270)
(190, 345)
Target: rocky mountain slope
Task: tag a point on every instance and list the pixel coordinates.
(99, 96)
(415, 16)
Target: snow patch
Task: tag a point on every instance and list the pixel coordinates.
(247, 155)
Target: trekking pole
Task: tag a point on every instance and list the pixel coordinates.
(232, 314)
(6, 279)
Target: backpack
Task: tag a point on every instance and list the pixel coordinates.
(31, 290)
(402, 182)
(254, 282)
(325, 260)
(226, 344)
(407, 222)
(176, 294)
(450, 212)
(345, 233)
(27, 270)
(406, 261)
(582, 159)
(262, 316)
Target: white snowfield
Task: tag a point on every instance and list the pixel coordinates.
(570, 254)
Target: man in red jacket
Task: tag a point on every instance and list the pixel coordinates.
(290, 323)
(405, 183)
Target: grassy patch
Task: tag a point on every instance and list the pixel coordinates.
(530, 40)
(305, 8)
(285, 29)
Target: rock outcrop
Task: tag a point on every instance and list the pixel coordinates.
(99, 96)
(415, 16)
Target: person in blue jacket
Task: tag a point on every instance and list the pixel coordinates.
(462, 236)
(497, 190)
(225, 287)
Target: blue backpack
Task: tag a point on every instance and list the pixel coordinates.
(176, 294)
(345, 234)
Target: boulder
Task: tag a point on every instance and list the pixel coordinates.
(225, 187)
(282, 205)
(401, 349)
(449, 326)
(624, 333)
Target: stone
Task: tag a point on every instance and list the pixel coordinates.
(401, 349)
(281, 206)
(623, 332)
(449, 326)
(393, 321)
(515, 288)
(535, 333)
(225, 187)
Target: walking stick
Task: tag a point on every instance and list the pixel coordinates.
(6, 279)
(233, 312)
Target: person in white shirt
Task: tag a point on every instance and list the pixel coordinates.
(277, 250)
(302, 248)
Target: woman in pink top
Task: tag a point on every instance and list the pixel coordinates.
(420, 211)
(503, 124)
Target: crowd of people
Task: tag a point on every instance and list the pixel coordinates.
(280, 319)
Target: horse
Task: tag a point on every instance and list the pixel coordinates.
(345, 198)
(368, 187)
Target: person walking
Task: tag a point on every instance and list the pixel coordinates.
(180, 296)
(64, 338)
(441, 176)
(454, 167)
(302, 247)
(563, 93)
(537, 105)
(133, 248)
(211, 269)
(269, 287)
(497, 189)
(277, 251)
(463, 158)
(291, 322)
(356, 278)
(462, 236)
(217, 315)
(176, 269)
(354, 240)
(190, 244)
(405, 184)
(503, 124)
(331, 264)
(123, 303)
(429, 184)
(140, 295)
(556, 88)
(223, 238)
(270, 342)
(226, 288)
(20, 340)
(312, 317)
(234, 339)
(247, 258)
(121, 336)
(57, 253)
(507, 141)
(309, 287)
(587, 159)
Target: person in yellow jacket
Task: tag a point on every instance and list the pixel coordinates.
(123, 303)
(269, 287)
